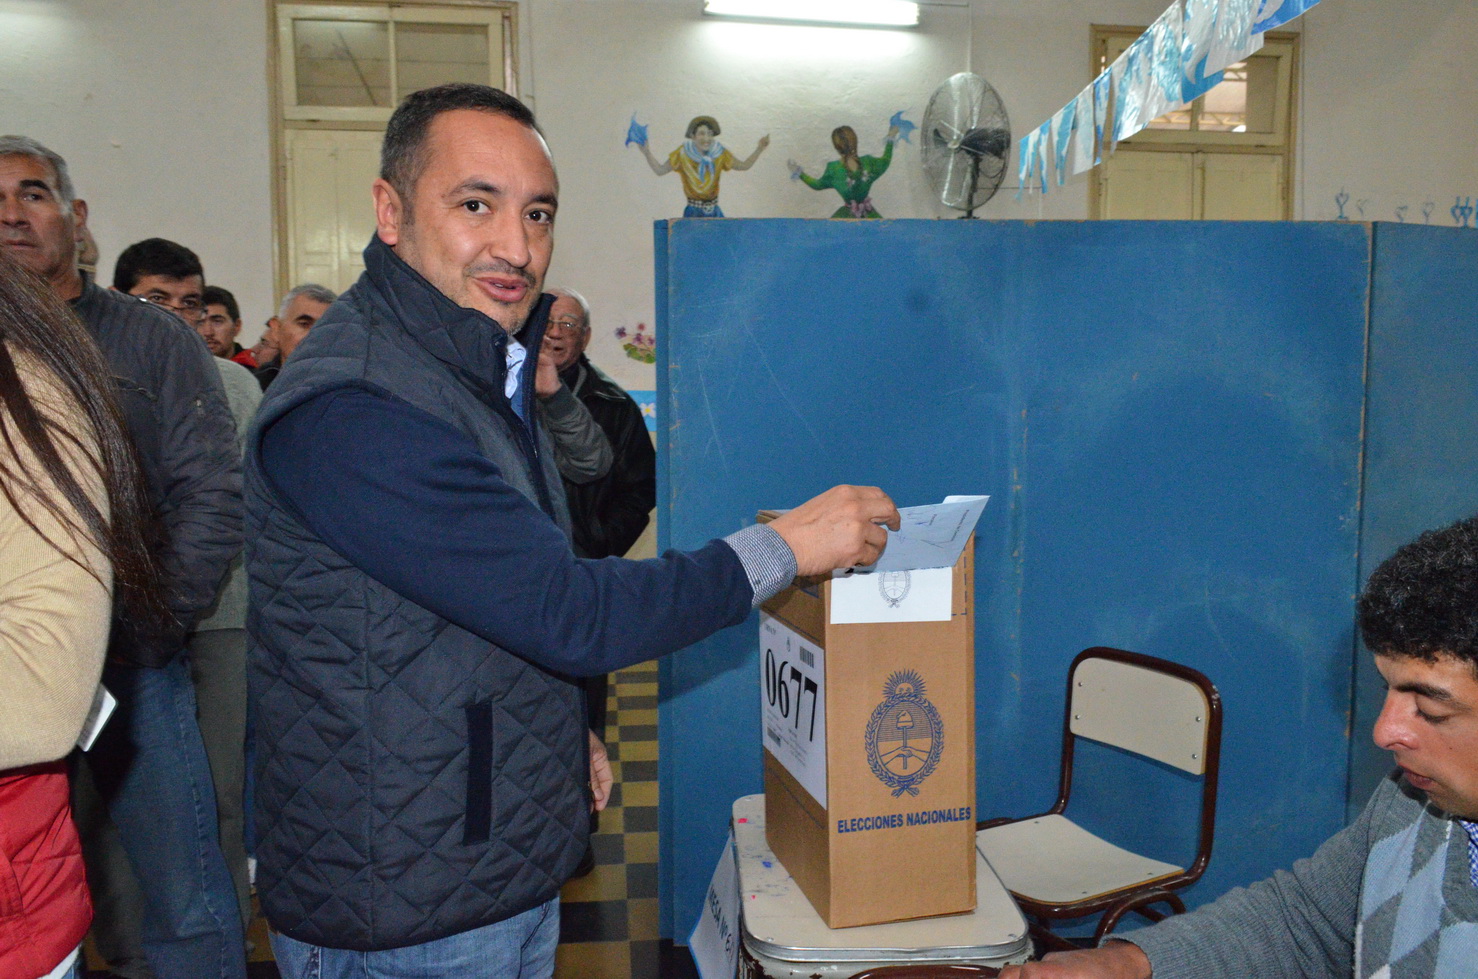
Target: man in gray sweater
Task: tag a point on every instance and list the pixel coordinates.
(1395, 894)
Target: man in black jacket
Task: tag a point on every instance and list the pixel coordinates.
(148, 763)
(610, 513)
(607, 514)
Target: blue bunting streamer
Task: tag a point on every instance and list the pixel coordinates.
(1164, 68)
(1084, 125)
(1062, 125)
(1197, 35)
(1102, 89)
(1026, 153)
(1044, 145)
(1276, 13)
(1179, 59)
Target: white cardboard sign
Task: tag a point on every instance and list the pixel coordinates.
(925, 595)
(715, 939)
(793, 703)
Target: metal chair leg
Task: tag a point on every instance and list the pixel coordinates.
(1140, 903)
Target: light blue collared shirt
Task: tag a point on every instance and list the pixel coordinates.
(516, 356)
(1472, 829)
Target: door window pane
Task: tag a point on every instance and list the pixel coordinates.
(342, 62)
(1262, 94)
(1174, 119)
(1224, 108)
(433, 54)
(1246, 100)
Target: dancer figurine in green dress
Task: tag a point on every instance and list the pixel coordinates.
(852, 176)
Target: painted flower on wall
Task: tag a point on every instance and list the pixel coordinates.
(638, 344)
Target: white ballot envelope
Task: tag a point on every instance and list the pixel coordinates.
(913, 581)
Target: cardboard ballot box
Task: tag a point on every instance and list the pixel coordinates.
(869, 742)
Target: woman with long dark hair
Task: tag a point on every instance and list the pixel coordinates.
(75, 533)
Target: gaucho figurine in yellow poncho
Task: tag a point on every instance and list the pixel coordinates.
(699, 162)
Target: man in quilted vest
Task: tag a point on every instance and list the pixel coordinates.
(1395, 894)
(419, 621)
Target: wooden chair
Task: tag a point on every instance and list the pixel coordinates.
(1055, 868)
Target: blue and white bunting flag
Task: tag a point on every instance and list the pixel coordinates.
(1083, 127)
(1102, 91)
(1275, 13)
(1198, 31)
(1044, 150)
(1233, 39)
(1062, 134)
(1163, 91)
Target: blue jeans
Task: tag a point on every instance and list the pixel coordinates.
(521, 947)
(150, 768)
(77, 970)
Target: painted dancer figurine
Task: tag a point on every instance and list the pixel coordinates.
(852, 176)
(699, 162)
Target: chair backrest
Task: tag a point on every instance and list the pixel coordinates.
(1141, 704)
(1154, 708)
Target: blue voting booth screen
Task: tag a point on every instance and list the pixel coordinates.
(1168, 418)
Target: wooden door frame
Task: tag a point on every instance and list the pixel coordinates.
(277, 124)
(1294, 39)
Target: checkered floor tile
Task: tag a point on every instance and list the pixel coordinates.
(608, 924)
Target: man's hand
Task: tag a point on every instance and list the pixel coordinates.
(840, 528)
(600, 774)
(546, 378)
(1116, 960)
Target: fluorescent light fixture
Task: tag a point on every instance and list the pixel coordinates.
(872, 13)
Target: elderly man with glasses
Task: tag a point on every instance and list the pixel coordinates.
(608, 513)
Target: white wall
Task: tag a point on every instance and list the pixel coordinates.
(1387, 112)
(162, 109)
(595, 63)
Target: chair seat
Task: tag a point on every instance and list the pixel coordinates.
(1082, 866)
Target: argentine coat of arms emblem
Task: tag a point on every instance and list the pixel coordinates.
(905, 735)
(894, 586)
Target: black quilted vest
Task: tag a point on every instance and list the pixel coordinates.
(413, 780)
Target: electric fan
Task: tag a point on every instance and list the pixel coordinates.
(966, 143)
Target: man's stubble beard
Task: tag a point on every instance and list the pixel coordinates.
(408, 232)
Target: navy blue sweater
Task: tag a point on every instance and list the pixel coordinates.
(417, 507)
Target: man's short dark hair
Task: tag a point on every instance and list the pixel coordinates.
(1422, 601)
(155, 256)
(216, 296)
(402, 156)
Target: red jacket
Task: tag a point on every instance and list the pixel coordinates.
(44, 904)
